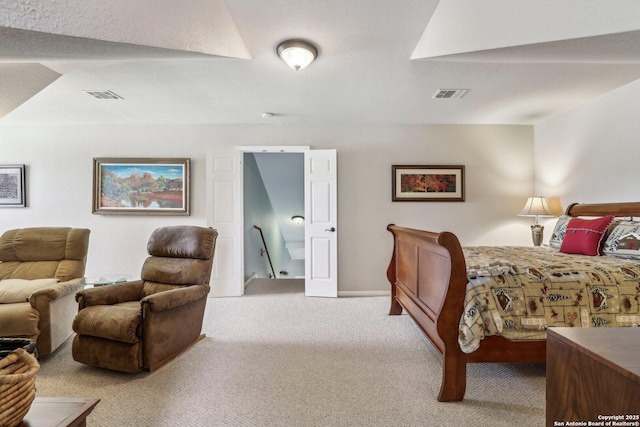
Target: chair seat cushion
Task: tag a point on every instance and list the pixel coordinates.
(19, 290)
(19, 320)
(119, 322)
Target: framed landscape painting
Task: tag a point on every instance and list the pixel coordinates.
(431, 183)
(12, 186)
(141, 186)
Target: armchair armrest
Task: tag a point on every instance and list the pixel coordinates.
(110, 294)
(56, 290)
(173, 298)
(55, 306)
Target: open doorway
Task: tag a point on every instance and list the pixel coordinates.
(273, 211)
(225, 213)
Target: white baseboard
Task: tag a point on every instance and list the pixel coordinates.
(364, 293)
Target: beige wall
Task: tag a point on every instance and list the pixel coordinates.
(499, 177)
(589, 154)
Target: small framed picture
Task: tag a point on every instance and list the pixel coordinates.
(141, 186)
(12, 186)
(430, 183)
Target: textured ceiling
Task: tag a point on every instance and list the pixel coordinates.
(203, 26)
(379, 61)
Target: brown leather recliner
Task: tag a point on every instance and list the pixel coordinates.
(140, 325)
(41, 269)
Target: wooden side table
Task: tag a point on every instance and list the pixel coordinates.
(593, 376)
(58, 412)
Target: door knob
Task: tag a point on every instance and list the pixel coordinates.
(332, 229)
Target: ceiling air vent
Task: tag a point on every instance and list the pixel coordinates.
(449, 93)
(103, 94)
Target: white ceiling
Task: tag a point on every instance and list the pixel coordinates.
(380, 61)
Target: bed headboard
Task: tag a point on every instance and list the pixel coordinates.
(631, 209)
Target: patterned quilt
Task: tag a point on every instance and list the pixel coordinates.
(518, 292)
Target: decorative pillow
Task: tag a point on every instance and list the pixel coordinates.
(559, 231)
(624, 240)
(19, 290)
(584, 236)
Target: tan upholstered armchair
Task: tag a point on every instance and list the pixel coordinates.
(142, 324)
(41, 269)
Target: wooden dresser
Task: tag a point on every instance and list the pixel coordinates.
(593, 375)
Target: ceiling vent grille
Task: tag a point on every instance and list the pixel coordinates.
(449, 93)
(103, 94)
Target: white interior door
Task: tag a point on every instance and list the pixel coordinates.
(321, 223)
(224, 213)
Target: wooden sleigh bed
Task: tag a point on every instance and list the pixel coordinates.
(428, 276)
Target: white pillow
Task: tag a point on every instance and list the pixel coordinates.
(19, 290)
(559, 231)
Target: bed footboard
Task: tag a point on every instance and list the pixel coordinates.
(428, 279)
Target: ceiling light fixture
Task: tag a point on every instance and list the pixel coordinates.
(297, 219)
(297, 53)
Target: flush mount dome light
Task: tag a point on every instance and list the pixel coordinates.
(297, 219)
(297, 53)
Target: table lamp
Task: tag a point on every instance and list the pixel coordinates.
(536, 206)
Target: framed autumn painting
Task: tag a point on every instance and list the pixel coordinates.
(427, 183)
(141, 186)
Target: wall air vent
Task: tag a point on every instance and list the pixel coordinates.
(449, 93)
(103, 94)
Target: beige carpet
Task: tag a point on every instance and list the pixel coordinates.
(277, 358)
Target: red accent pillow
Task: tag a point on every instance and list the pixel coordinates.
(585, 235)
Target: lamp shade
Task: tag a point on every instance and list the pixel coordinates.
(297, 53)
(536, 206)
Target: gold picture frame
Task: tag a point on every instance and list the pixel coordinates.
(141, 186)
(427, 183)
